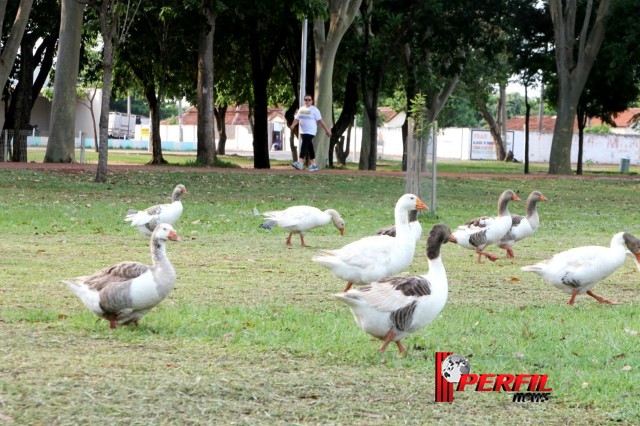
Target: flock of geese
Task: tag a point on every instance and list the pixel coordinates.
(385, 305)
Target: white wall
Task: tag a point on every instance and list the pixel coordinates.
(41, 115)
(456, 143)
(599, 149)
(453, 143)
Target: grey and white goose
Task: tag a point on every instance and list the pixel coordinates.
(147, 220)
(523, 226)
(478, 233)
(123, 293)
(578, 270)
(393, 307)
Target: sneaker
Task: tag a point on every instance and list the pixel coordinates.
(313, 168)
(297, 165)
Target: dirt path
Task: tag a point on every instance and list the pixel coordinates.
(118, 168)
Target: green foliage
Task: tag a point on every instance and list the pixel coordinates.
(460, 112)
(139, 107)
(600, 129)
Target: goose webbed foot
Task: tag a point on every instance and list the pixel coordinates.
(602, 299)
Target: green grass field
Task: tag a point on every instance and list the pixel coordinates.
(252, 335)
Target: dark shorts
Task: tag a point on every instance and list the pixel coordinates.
(306, 147)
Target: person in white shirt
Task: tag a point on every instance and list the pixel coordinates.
(309, 117)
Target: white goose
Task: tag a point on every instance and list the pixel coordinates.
(478, 233)
(578, 270)
(414, 224)
(300, 219)
(393, 307)
(147, 220)
(523, 226)
(125, 292)
(372, 258)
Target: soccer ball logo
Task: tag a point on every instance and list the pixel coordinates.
(455, 366)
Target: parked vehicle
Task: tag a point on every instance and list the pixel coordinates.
(121, 125)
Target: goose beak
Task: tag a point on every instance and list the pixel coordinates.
(184, 191)
(452, 239)
(341, 231)
(516, 198)
(173, 236)
(420, 205)
(543, 198)
(637, 256)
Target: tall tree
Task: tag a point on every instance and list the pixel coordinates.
(266, 39)
(29, 74)
(10, 48)
(206, 131)
(345, 120)
(327, 37)
(380, 29)
(290, 63)
(479, 78)
(161, 57)
(613, 84)
(90, 81)
(576, 50)
(115, 18)
(232, 66)
(440, 40)
(61, 145)
(529, 35)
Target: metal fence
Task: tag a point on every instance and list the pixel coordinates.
(31, 146)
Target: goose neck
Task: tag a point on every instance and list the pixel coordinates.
(158, 251)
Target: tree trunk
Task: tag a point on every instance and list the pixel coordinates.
(220, 113)
(502, 117)
(342, 150)
(410, 91)
(44, 56)
(414, 148)
(61, 145)
(289, 116)
(526, 130)
(341, 15)
(23, 100)
(91, 98)
(107, 78)
(206, 131)
(371, 74)
(494, 129)
(560, 156)
(582, 123)
(365, 144)
(572, 73)
(262, 63)
(260, 125)
(154, 111)
(9, 49)
(369, 150)
(109, 17)
(345, 121)
(90, 95)
(26, 97)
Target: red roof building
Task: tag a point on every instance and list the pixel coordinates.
(236, 115)
(624, 122)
